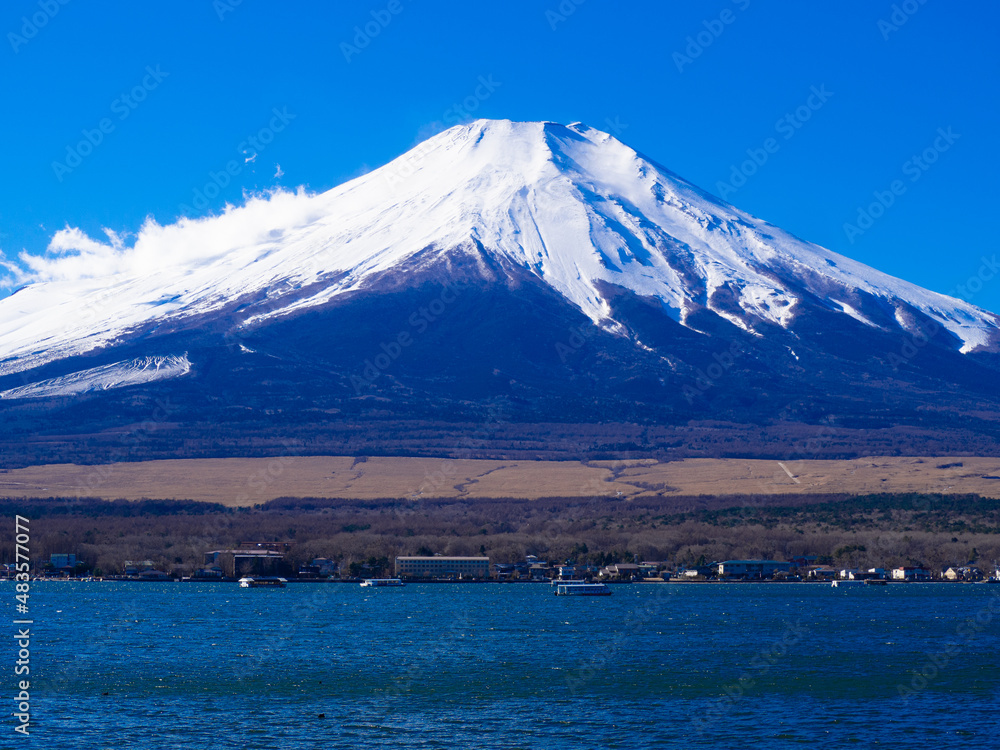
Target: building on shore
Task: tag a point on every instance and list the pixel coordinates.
(964, 573)
(439, 566)
(820, 573)
(504, 571)
(752, 569)
(61, 564)
(651, 568)
(911, 573)
(134, 568)
(211, 573)
(325, 567)
(62, 560)
(540, 571)
(245, 561)
(803, 562)
(281, 547)
(153, 575)
(567, 571)
(697, 571)
(620, 572)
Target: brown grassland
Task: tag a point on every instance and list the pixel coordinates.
(245, 482)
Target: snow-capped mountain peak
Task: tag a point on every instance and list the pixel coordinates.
(570, 205)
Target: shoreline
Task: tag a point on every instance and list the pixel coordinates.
(491, 581)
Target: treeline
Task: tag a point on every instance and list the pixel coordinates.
(902, 511)
(854, 531)
(260, 433)
(93, 507)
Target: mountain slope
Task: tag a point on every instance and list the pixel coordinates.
(499, 272)
(570, 205)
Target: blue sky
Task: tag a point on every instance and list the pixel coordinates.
(801, 113)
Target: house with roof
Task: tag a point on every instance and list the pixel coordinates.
(325, 566)
(803, 561)
(134, 568)
(821, 573)
(539, 571)
(567, 571)
(964, 573)
(911, 573)
(650, 569)
(210, 573)
(620, 571)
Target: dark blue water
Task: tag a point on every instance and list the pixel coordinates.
(511, 666)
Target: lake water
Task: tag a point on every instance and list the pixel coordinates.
(136, 666)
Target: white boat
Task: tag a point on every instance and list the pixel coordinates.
(379, 582)
(845, 582)
(265, 582)
(582, 589)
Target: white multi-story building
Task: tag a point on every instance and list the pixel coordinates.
(752, 568)
(439, 566)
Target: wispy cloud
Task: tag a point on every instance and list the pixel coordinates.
(74, 255)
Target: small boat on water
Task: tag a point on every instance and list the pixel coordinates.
(380, 582)
(265, 582)
(582, 589)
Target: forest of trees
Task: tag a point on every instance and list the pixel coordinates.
(863, 531)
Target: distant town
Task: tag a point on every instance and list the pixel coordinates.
(269, 559)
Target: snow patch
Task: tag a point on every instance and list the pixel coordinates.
(854, 313)
(117, 375)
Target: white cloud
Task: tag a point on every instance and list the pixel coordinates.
(74, 255)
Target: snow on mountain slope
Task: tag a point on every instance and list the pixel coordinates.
(572, 205)
(117, 375)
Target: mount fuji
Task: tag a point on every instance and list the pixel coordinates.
(516, 288)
